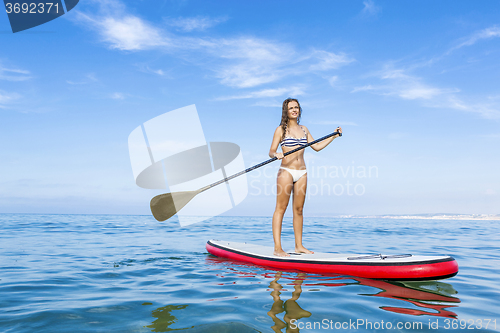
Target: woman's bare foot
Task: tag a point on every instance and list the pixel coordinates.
(301, 249)
(281, 253)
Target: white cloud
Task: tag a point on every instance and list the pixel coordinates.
(420, 91)
(131, 33)
(363, 88)
(146, 69)
(332, 80)
(485, 110)
(328, 60)
(487, 33)
(266, 93)
(7, 98)
(370, 8)
(89, 78)
(241, 62)
(397, 82)
(198, 23)
(126, 33)
(156, 71)
(246, 75)
(401, 83)
(250, 61)
(14, 74)
(253, 49)
(117, 95)
(258, 61)
(389, 73)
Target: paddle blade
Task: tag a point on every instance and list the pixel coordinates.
(164, 206)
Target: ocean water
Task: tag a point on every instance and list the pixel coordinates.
(105, 273)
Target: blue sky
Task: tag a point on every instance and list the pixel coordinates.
(415, 86)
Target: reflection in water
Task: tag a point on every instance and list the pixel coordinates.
(432, 298)
(165, 318)
(291, 307)
(417, 294)
(424, 295)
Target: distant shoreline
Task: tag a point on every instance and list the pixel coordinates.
(478, 217)
(482, 217)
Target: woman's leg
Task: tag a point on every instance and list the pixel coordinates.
(299, 197)
(284, 185)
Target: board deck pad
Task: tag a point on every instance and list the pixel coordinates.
(375, 266)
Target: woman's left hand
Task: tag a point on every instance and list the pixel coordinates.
(339, 129)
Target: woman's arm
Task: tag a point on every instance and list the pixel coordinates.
(322, 144)
(276, 141)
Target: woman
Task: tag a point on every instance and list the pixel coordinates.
(292, 175)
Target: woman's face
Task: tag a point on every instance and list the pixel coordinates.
(293, 110)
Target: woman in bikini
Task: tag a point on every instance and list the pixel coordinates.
(292, 175)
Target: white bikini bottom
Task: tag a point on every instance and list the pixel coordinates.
(296, 174)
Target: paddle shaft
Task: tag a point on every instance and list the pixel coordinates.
(267, 162)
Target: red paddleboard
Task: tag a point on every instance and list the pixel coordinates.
(387, 267)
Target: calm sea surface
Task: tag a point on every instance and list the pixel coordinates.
(105, 273)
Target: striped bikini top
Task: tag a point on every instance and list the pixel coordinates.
(289, 141)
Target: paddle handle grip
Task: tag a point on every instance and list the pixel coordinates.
(268, 161)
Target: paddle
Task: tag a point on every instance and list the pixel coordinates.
(163, 207)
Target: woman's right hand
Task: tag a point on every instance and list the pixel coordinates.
(278, 155)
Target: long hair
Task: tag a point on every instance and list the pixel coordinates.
(284, 115)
